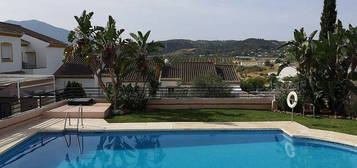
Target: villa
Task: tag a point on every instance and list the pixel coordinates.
(177, 74)
(184, 111)
(27, 52)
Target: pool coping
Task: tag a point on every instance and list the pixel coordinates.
(12, 138)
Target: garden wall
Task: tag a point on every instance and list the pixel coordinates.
(210, 103)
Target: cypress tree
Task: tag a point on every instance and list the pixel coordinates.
(328, 18)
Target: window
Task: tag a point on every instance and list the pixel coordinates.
(6, 52)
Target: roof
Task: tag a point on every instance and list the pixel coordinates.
(184, 71)
(227, 72)
(71, 69)
(187, 71)
(19, 30)
(76, 67)
(8, 79)
(290, 71)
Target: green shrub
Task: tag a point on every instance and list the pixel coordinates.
(131, 98)
(255, 68)
(208, 80)
(74, 90)
(253, 84)
(210, 85)
(268, 63)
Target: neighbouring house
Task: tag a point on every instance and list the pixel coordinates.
(27, 62)
(289, 71)
(179, 74)
(182, 73)
(27, 52)
(18, 92)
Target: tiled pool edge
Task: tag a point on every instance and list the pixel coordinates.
(292, 129)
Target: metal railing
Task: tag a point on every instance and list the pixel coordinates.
(13, 106)
(79, 118)
(30, 66)
(208, 92)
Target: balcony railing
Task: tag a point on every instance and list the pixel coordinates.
(12, 106)
(30, 66)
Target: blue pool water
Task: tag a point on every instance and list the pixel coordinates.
(204, 149)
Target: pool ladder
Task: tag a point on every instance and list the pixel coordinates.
(79, 140)
(79, 118)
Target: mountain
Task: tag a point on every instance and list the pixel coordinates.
(228, 48)
(43, 28)
(181, 47)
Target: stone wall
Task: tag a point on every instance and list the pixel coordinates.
(200, 103)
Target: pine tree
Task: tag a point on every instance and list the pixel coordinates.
(328, 18)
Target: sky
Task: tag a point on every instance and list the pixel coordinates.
(186, 19)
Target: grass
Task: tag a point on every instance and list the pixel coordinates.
(234, 115)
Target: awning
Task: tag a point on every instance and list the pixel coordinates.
(21, 85)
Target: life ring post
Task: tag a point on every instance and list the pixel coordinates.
(292, 101)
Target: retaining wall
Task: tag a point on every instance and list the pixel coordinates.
(201, 103)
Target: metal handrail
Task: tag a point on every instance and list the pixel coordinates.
(80, 116)
(65, 120)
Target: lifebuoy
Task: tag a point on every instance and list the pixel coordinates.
(295, 100)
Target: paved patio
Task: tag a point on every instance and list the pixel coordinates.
(12, 136)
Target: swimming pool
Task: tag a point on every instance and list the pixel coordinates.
(181, 149)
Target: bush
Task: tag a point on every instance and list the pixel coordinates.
(74, 90)
(210, 85)
(268, 63)
(132, 98)
(253, 84)
(249, 69)
(208, 80)
(280, 98)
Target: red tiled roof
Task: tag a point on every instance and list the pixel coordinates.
(228, 72)
(77, 70)
(187, 71)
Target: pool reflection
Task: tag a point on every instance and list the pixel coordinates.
(118, 151)
(176, 149)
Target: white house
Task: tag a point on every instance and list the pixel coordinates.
(289, 71)
(27, 52)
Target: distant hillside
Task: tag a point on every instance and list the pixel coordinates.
(43, 28)
(180, 47)
(229, 48)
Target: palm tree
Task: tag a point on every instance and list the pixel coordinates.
(303, 49)
(101, 47)
(107, 53)
(141, 49)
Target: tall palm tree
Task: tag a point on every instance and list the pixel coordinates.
(101, 48)
(141, 50)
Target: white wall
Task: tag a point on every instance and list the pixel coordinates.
(62, 82)
(49, 59)
(16, 65)
(169, 83)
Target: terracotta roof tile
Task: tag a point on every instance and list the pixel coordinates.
(187, 71)
(68, 70)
